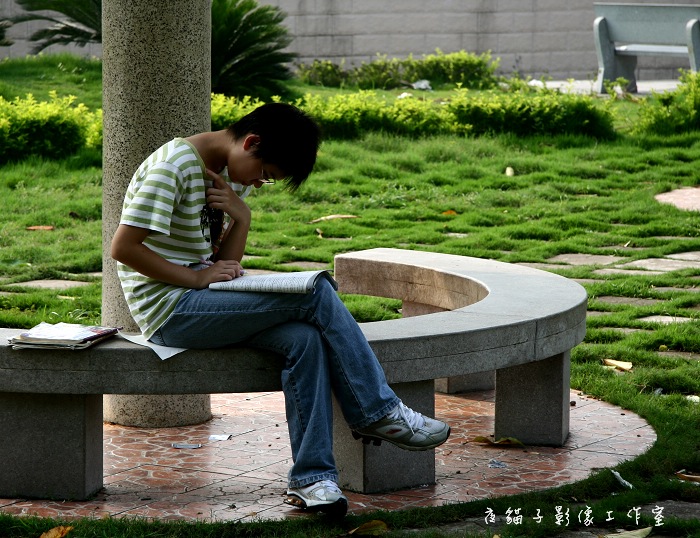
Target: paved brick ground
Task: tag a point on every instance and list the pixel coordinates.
(244, 478)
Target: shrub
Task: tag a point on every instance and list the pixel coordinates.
(463, 68)
(93, 133)
(53, 129)
(58, 128)
(381, 73)
(323, 73)
(346, 116)
(226, 110)
(543, 113)
(672, 112)
(468, 69)
(418, 117)
(353, 115)
(248, 43)
(4, 40)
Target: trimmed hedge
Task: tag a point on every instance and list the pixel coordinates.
(467, 69)
(348, 116)
(53, 129)
(545, 112)
(226, 110)
(59, 128)
(673, 112)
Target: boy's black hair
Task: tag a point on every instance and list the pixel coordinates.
(289, 139)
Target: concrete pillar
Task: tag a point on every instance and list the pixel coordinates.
(156, 63)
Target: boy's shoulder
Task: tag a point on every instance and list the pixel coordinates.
(177, 152)
(178, 148)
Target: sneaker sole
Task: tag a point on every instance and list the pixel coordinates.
(336, 509)
(367, 439)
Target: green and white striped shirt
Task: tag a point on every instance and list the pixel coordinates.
(167, 195)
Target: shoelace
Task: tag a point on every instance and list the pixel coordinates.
(412, 418)
(327, 485)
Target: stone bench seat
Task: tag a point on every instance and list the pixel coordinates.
(462, 316)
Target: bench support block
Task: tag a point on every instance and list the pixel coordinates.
(51, 446)
(532, 401)
(374, 469)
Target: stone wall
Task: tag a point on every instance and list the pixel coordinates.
(550, 38)
(531, 37)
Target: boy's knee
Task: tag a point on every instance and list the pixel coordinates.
(300, 333)
(306, 332)
(324, 288)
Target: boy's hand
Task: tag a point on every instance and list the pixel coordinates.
(221, 196)
(220, 271)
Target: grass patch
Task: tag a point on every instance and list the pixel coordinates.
(66, 73)
(67, 200)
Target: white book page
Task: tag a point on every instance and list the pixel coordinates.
(298, 282)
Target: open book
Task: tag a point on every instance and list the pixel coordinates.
(61, 336)
(298, 282)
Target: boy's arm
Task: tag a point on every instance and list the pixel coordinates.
(128, 248)
(221, 196)
(232, 245)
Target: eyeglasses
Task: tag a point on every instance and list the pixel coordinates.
(265, 180)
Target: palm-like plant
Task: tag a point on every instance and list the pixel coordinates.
(247, 50)
(248, 40)
(80, 24)
(4, 40)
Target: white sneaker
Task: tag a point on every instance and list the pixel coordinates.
(407, 429)
(324, 496)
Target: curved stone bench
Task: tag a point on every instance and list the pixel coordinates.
(480, 316)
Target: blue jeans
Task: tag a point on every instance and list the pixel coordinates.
(325, 351)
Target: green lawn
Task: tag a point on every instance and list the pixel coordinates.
(64, 73)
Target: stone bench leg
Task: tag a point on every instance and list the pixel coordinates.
(533, 400)
(374, 469)
(611, 66)
(51, 446)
